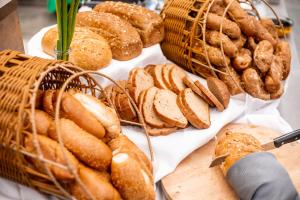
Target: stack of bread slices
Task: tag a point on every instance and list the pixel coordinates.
(168, 98)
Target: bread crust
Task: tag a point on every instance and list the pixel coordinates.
(148, 24)
(123, 39)
(209, 95)
(165, 106)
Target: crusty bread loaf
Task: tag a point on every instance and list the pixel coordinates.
(166, 108)
(176, 77)
(88, 49)
(237, 144)
(219, 89)
(86, 147)
(195, 109)
(210, 96)
(51, 150)
(123, 39)
(149, 113)
(131, 180)
(148, 23)
(95, 183)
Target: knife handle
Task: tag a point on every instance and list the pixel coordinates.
(287, 138)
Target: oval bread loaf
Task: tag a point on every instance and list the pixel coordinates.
(51, 150)
(95, 183)
(83, 145)
(123, 39)
(130, 179)
(148, 23)
(88, 49)
(167, 109)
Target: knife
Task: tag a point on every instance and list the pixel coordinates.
(275, 143)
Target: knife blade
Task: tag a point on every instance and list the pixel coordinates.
(275, 143)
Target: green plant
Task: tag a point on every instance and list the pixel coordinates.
(65, 25)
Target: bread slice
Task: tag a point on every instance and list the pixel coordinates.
(198, 112)
(125, 108)
(156, 73)
(160, 131)
(190, 83)
(149, 67)
(210, 96)
(149, 113)
(219, 89)
(166, 108)
(165, 75)
(176, 79)
(141, 80)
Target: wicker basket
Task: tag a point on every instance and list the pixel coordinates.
(185, 23)
(21, 77)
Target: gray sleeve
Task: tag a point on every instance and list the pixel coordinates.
(259, 176)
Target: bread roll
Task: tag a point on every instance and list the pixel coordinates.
(83, 145)
(123, 39)
(237, 145)
(148, 23)
(106, 115)
(96, 184)
(49, 100)
(42, 122)
(263, 55)
(130, 179)
(123, 144)
(88, 50)
(283, 51)
(51, 150)
(81, 116)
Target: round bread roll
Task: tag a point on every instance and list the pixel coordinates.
(237, 145)
(88, 49)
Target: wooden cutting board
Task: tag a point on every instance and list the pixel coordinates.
(194, 180)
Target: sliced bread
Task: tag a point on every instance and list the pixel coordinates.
(176, 77)
(165, 75)
(190, 83)
(219, 89)
(196, 109)
(156, 73)
(166, 108)
(149, 113)
(210, 96)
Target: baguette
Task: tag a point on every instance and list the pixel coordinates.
(83, 145)
(148, 24)
(123, 39)
(106, 115)
(96, 184)
(166, 108)
(88, 49)
(130, 179)
(51, 150)
(194, 108)
(43, 122)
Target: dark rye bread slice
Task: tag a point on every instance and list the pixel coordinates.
(219, 89)
(151, 130)
(176, 77)
(190, 83)
(138, 81)
(156, 73)
(196, 109)
(166, 108)
(165, 75)
(150, 115)
(209, 95)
